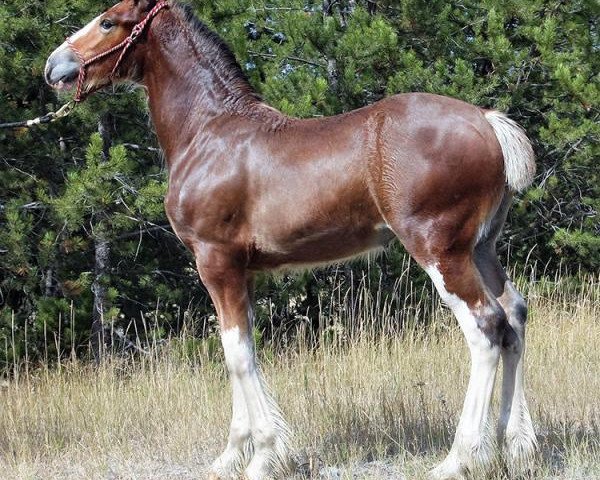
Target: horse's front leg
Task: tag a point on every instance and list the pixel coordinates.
(239, 446)
(258, 434)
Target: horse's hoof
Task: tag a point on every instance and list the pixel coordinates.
(520, 452)
(450, 469)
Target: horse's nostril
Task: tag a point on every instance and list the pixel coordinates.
(70, 76)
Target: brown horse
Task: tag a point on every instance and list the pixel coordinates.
(251, 189)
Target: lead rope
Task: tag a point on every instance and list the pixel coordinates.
(67, 108)
(47, 118)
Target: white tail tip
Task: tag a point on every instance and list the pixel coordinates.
(519, 160)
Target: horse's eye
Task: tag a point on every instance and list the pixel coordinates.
(106, 25)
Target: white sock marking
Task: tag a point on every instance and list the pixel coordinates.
(270, 433)
(472, 444)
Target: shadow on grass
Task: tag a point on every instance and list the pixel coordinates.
(559, 446)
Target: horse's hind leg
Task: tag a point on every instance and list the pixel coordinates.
(483, 323)
(515, 429)
(445, 251)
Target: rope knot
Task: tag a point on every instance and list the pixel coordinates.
(136, 32)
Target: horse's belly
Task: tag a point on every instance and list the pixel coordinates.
(317, 248)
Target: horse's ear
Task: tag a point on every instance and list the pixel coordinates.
(144, 5)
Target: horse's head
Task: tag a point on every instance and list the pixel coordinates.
(103, 50)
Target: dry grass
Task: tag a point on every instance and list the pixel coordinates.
(372, 406)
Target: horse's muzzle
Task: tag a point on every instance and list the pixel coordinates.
(62, 68)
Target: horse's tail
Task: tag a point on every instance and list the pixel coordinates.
(519, 160)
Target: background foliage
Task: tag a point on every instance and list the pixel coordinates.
(96, 179)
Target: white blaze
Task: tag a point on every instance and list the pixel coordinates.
(80, 33)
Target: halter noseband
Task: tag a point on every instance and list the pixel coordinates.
(125, 45)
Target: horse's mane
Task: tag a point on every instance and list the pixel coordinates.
(210, 43)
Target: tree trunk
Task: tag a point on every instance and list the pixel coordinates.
(101, 268)
(372, 7)
(49, 282)
(345, 9)
(104, 129)
(311, 303)
(332, 74)
(101, 260)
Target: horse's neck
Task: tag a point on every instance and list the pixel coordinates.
(186, 93)
(177, 104)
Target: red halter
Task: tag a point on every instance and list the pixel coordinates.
(125, 45)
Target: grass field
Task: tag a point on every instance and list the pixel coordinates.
(366, 405)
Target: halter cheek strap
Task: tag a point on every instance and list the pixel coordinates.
(124, 46)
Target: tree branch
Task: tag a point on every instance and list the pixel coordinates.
(288, 57)
(133, 146)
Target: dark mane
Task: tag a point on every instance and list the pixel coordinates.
(218, 52)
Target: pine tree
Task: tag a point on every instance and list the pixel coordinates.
(60, 199)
